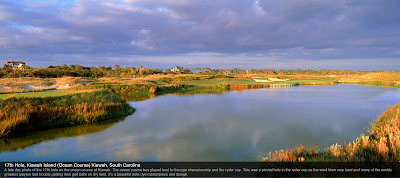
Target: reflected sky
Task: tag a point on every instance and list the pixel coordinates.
(232, 126)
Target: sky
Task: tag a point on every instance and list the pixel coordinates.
(247, 34)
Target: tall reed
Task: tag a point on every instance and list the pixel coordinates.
(381, 145)
(17, 115)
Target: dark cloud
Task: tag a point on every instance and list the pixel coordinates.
(297, 29)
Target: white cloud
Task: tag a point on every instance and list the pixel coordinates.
(328, 49)
(144, 31)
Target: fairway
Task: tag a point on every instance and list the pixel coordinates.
(214, 82)
(41, 94)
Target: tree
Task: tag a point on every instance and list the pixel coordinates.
(140, 69)
(116, 67)
(78, 67)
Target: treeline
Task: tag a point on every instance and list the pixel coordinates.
(102, 71)
(238, 71)
(80, 71)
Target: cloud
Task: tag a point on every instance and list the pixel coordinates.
(328, 49)
(286, 30)
(364, 42)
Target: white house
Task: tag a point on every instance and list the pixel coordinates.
(177, 69)
(14, 63)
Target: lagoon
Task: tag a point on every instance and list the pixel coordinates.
(215, 126)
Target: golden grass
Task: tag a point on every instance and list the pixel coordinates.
(18, 85)
(72, 80)
(297, 154)
(13, 82)
(21, 114)
(382, 144)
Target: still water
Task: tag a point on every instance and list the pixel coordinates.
(214, 126)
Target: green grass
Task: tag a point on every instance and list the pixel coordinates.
(214, 82)
(40, 94)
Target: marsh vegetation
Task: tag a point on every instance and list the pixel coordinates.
(22, 114)
(89, 94)
(381, 144)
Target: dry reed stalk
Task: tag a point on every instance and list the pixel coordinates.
(382, 148)
(365, 141)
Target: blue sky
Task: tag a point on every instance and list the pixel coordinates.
(295, 34)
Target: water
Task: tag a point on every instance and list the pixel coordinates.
(214, 126)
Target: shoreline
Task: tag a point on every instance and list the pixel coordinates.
(24, 114)
(382, 144)
(378, 150)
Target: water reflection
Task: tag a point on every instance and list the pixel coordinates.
(224, 126)
(143, 97)
(245, 125)
(21, 142)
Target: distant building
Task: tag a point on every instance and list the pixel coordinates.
(14, 64)
(177, 69)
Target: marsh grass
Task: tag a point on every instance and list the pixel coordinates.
(125, 89)
(18, 115)
(244, 87)
(384, 79)
(223, 85)
(381, 145)
(377, 83)
(13, 82)
(137, 97)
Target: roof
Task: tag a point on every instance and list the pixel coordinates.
(17, 62)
